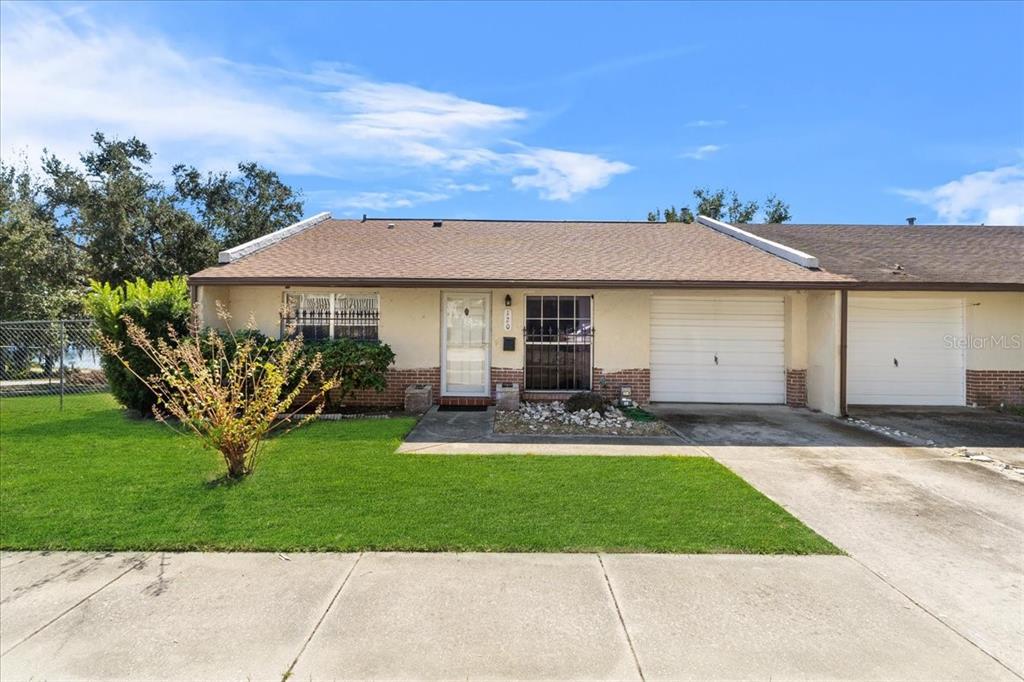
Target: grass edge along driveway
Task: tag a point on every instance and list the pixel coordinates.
(89, 478)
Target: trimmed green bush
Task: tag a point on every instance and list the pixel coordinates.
(156, 308)
(588, 400)
(357, 365)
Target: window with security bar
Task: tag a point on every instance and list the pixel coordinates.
(558, 341)
(320, 317)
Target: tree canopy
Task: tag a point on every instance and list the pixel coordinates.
(723, 204)
(108, 218)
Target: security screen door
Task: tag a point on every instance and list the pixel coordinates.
(466, 339)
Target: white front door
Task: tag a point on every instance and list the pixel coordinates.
(903, 351)
(465, 344)
(707, 349)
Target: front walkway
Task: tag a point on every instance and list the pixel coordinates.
(460, 433)
(542, 616)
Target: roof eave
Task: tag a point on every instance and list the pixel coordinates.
(608, 284)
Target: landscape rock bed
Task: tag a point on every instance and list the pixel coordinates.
(552, 418)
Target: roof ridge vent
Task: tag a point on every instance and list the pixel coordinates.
(260, 243)
(784, 252)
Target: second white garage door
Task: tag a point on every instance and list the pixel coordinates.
(904, 351)
(718, 350)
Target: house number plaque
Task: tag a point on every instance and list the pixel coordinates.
(508, 319)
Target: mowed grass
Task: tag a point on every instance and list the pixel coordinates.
(90, 478)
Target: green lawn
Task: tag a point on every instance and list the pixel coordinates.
(90, 478)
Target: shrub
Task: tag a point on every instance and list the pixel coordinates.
(155, 308)
(231, 396)
(587, 400)
(356, 365)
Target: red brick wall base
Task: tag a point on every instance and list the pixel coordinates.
(504, 375)
(394, 395)
(989, 387)
(609, 384)
(796, 387)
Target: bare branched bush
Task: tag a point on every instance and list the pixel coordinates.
(231, 395)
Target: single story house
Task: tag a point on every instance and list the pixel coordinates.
(815, 315)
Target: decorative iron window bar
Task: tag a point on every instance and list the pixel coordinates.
(315, 325)
(558, 337)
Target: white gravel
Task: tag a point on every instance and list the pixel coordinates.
(554, 418)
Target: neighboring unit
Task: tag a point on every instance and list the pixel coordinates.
(704, 312)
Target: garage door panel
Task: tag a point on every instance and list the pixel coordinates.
(745, 334)
(899, 352)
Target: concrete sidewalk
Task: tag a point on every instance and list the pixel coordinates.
(542, 616)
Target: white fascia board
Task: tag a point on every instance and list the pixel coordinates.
(254, 245)
(776, 249)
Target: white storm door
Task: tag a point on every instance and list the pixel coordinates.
(903, 351)
(465, 344)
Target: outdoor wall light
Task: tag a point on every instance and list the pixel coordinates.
(508, 300)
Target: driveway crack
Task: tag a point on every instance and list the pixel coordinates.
(622, 621)
(323, 616)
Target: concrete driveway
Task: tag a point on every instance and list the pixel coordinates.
(946, 532)
(212, 616)
(998, 435)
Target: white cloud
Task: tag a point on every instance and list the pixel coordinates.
(378, 201)
(559, 175)
(702, 152)
(65, 76)
(705, 123)
(993, 197)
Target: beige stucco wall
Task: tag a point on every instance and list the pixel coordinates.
(823, 331)
(621, 320)
(796, 330)
(409, 317)
(410, 320)
(993, 324)
(206, 304)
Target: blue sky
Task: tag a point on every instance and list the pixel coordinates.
(851, 112)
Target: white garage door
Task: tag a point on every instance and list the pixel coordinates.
(903, 352)
(725, 350)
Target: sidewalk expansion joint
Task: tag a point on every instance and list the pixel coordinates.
(323, 616)
(622, 621)
(135, 565)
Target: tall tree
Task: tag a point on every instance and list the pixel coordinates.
(41, 273)
(235, 209)
(723, 204)
(127, 223)
(776, 210)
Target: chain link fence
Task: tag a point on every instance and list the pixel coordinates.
(49, 357)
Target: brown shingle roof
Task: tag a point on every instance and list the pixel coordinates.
(336, 251)
(926, 254)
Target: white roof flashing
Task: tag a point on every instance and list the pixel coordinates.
(784, 252)
(254, 245)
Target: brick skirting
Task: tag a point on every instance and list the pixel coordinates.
(988, 387)
(609, 384)
(394, 394)
(796, 387)
(506, 375)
